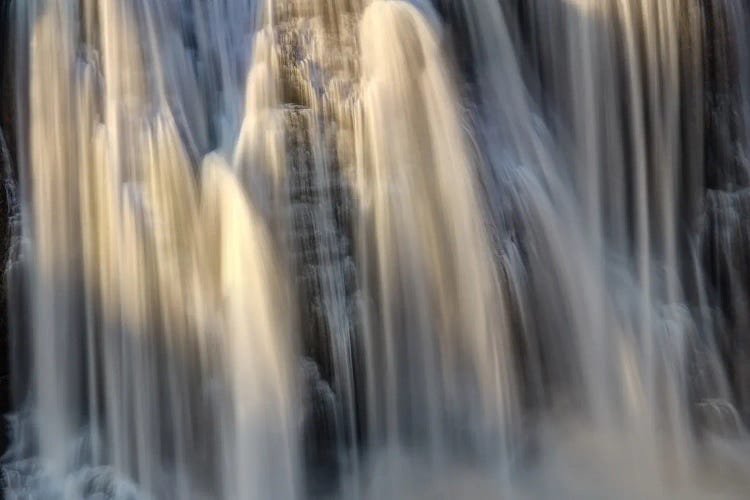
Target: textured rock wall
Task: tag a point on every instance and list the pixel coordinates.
(6, 154)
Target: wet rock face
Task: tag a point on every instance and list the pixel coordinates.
(725, 216)
(318, 68)
(7, 142)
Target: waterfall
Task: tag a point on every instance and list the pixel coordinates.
(339, 249)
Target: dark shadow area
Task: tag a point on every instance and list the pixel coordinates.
(6, 169)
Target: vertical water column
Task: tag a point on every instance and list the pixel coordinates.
(600, 188)
(52, 143)
(439, 366)
(162, 350)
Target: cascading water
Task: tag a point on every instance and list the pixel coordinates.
(380, 249)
